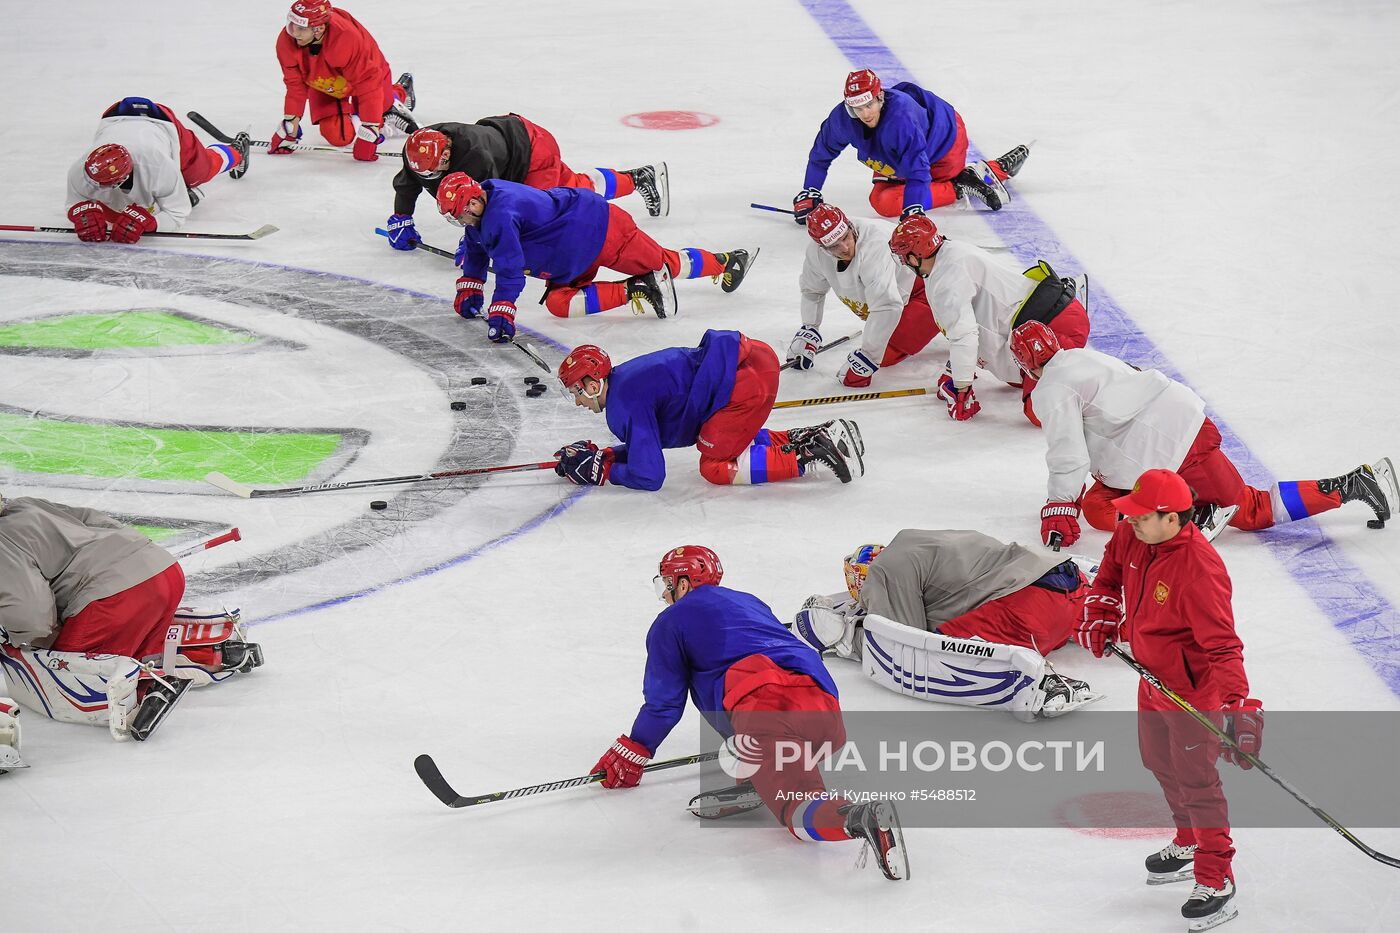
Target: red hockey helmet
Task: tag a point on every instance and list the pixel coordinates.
(862, 87)
(1033, 344)
(582, 362)
(827, 224)
(308, 14)
(916, 237)
(695, 562)
(424, 149)
(455, 193)
(108, 165)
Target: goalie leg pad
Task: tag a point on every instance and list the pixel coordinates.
(10, 736)
(67, 686)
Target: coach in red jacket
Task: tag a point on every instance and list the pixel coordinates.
(1163, 587)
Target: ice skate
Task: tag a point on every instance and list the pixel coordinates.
(723, 802)
(400, 118)
(655, 290)
(737, 264)
(1174, 863)
(836, 446)
(979, 179)
(161, 697)
(654, 185)
(1374, 486)
(410, 98)
(1064, 695)
(1211, 519)
(877, 824)
(1011, 162)
(1209, 907)
(241, 144)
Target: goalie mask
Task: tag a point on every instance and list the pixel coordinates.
(858, 566)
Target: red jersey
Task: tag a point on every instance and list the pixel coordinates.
(348, 65)
(1179, 621)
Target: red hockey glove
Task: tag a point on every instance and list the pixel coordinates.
(288, 134)
(132, 224)
(470, 295)
(859, 370)
(1244, 722)
(367, 140)
(1060, 518)
(89, 221)
(962, 403)
(1103, 619)
(500, 322)
(623, 763)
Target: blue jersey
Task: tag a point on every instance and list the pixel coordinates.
(916, 129)
(691, 646)
(660, 400)
(555, 234)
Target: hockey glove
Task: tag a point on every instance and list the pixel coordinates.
(585, 465)
(859, 370)
(623, 763)
(1244, 723)
(288, 135)
(500, 322)
(802, 205)
(1060, 518)
(1103, 618)
(402, 233)
(962, 403)
(470, 296)
(803, 350)
(134, 222)
(367, 140)
(89, 221)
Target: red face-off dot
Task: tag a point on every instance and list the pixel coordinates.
(1116, 815)
(670, 120)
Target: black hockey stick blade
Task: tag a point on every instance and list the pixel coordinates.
(199, 121)
(429, 774)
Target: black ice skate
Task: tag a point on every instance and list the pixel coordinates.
(978, 179)
(161, 697)
(1174, 863)
(723, 802)
(737, 264)
(1011, 162)
(655, 290)
(1373, 485)
(195, 196)
(654, 185)
(241, 144)
(410, 99)
(877, 824)
(1063, 695)
(1209, 907)
(1211, 519)
(836, 446)
(399, 117)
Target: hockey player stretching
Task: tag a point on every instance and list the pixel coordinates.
(956, 617)
(565, 236)
(1113, 421)
(143, 173)
(91, 627)
(716, 397)
(749, 677)
(914, 142)
(851, 257)
(509, 148)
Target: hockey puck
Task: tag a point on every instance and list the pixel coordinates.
(478, 380)
(532, 380)
(1375, 523)
(379, 505)
(535, 391)
(459, 406)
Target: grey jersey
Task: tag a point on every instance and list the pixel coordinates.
(56, 559)
(924, 578)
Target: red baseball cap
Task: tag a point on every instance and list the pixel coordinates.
(1155, 491)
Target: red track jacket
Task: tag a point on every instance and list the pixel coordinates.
(349, 65)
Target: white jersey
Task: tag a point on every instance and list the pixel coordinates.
(1101, 415)
(156, 181)
(873, 285)
(974, 297)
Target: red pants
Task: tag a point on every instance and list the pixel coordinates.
(1071, 327)
(1032, 617)
(731, 431)
(771, 705)
(916, 329)
(887, 197)
(130, 623)
(626, 249)
(332, 114)
(547, 168)
(1181, 753)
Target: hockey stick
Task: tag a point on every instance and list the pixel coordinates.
(248, 492)
(230, 535)
(428, 771)
(1268, 772)
(257, 234)
(223, 137)
(858, 397)
(419, 244)
(835, 343)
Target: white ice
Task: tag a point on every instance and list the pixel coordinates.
(1222, 170)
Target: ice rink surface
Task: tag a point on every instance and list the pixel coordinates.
(1217, 169)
